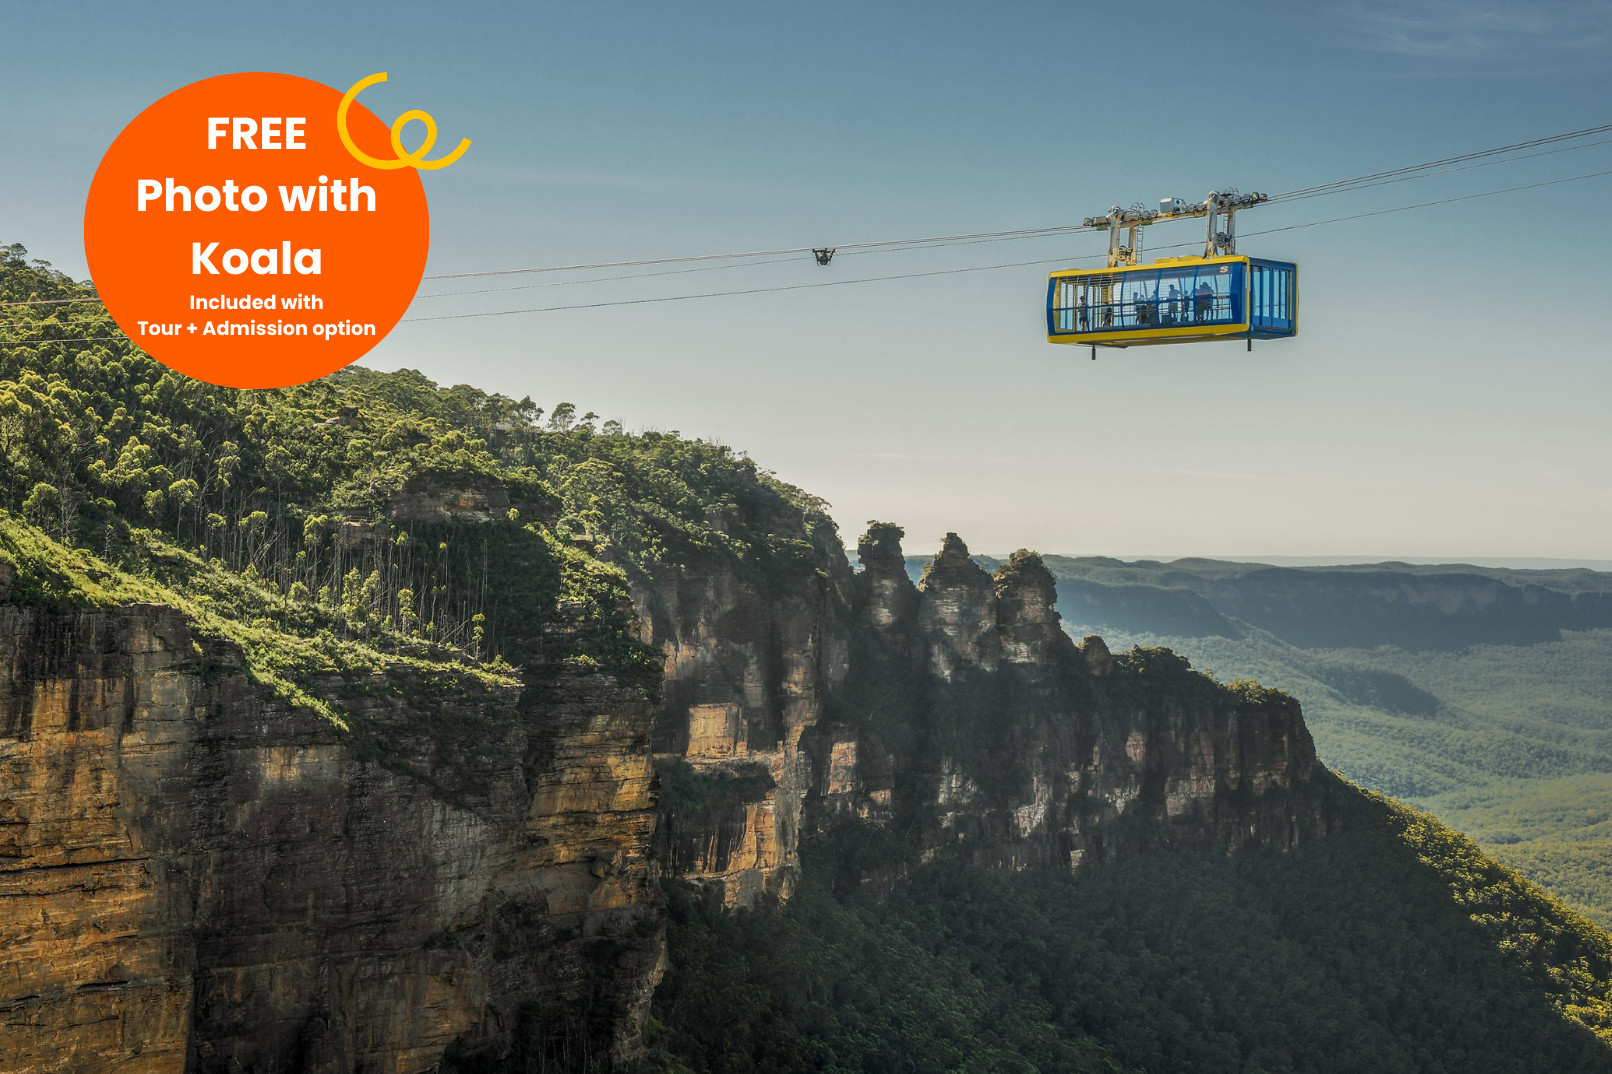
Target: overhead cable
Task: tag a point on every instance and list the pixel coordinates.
(1338, 186)
(1284, 198)
(923, 275)
(1427, 169)
(1530, 144)
(978, 235)
(49, 301)
(985, 268)
(73, 339)
(747, 291)
(607, 279)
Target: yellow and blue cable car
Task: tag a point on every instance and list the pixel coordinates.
(1220, 295)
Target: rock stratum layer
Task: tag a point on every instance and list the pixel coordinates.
(196, 876)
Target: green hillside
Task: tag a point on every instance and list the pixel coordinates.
(1509, 741)
(1392, 946)
(265, 514)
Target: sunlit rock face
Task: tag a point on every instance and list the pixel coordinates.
(751, 659)
(465, 498)
(194, 876)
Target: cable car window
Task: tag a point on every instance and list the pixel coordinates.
(1170, 296)
(1271, 294)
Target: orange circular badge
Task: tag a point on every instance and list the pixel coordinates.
(235, 239)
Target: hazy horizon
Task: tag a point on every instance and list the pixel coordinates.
(1522, 563)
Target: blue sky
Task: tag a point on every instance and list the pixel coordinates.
(1446, 397)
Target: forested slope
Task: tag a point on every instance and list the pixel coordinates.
(1483, 694)
(367, 509)
(1392, 946)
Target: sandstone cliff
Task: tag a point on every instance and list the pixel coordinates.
(195, 877)
(1019, 747)
(752, 657)
(958, 707)
(198, 876)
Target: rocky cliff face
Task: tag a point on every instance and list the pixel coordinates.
(1020, 747)
(195, 877)
(751, 660)
(961, 708)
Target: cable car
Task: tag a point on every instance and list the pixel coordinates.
(1219, 295)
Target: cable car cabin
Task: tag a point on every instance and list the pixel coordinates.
(1174, 300)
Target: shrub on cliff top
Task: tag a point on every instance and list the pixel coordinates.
(1024, 569)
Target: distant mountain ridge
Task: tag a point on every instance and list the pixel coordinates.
(1516, 563)
(1482, 693)
(1416, 606)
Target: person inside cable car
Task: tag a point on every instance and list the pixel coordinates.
(1144, 309)
(1203, 301)
(1172, 307)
